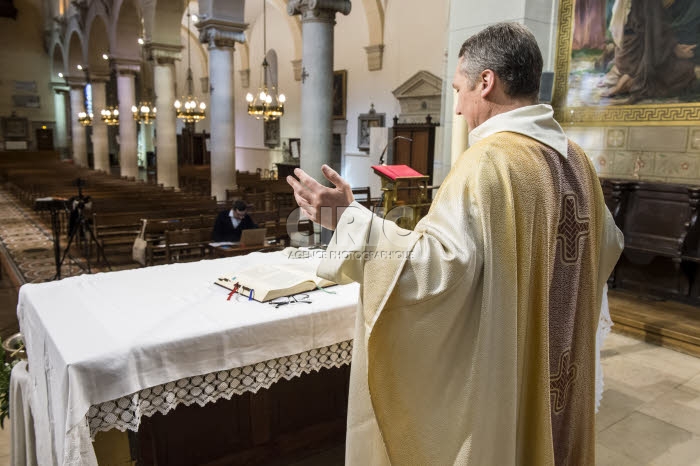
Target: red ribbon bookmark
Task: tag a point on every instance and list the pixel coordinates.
(233, 291)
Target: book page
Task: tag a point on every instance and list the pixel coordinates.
(272, 281)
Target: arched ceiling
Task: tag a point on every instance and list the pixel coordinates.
(98, 45)
(58, 62)
(75, 55)
(161, 20)
(254, 12)
(127, 30)
(375, 21)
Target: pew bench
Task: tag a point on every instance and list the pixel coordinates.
(659, 224)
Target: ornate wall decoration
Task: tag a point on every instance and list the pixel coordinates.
(599, 80)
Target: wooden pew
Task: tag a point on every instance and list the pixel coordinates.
(655, 222)
(187, 244)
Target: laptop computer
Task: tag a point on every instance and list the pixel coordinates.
(253, 237)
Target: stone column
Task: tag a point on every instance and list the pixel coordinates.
(59, 100)
(128, 160)
(78, 135)
(166, 121)
(100, 144)
(317, 22)
(222, 112)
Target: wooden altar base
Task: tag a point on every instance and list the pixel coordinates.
(662, 322)
(286, 423)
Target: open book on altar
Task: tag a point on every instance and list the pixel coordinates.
(269, 281)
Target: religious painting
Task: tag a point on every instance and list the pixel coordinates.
(366, 121)
(272, 133)
(628, 62)
(339, 94)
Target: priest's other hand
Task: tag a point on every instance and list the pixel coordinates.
(321, 204)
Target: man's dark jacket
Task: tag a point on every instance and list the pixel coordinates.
(223, 228)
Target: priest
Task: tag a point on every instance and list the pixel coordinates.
(475, 340)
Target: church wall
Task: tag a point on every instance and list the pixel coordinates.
(409, 47)
(26, 62)
(648, 153)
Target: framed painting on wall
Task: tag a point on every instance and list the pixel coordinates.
(628, 62)
(364, 122)
(272, 133)
(339, 94)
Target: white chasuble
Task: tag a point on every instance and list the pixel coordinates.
(475, 340)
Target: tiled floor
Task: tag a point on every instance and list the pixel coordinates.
(650, 413)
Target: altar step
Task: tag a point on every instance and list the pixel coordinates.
(666, 323)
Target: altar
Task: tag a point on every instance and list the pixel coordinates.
(108, 351)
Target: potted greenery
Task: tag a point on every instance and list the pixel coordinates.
(15, 345)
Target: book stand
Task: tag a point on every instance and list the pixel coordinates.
(404, 194)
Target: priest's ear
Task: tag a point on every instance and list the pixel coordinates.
(487, 82)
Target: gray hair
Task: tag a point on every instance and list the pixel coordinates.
(509, 50)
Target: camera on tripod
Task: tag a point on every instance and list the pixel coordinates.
(79, 209)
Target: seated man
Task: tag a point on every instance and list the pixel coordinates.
(230, 223)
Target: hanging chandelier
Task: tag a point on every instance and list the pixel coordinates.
(110, 115)
(145, 112)
(189, 108)
(266, 104)
(85, 118)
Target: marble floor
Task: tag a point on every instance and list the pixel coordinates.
(650, 413)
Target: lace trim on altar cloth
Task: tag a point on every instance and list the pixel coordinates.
(126, 412)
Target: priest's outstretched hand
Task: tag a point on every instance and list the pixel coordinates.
(321, 204)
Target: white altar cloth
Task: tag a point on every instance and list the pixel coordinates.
(95, 338)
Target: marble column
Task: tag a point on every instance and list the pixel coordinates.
(128, 144)
(222, 111)
(147, 136)
(166, 121)
(100, 144)
(59, 101)
(78, 134)
(317, 22)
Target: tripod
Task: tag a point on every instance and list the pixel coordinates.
(78, 225)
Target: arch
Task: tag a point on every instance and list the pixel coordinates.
(200, 49)
(98, 44)
(294, 23)
(200, 62)
(375, 21)
(161, 20)
(126, 30)
(75, 54)
(58, 60)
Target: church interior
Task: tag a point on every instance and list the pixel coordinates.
(127, 126)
